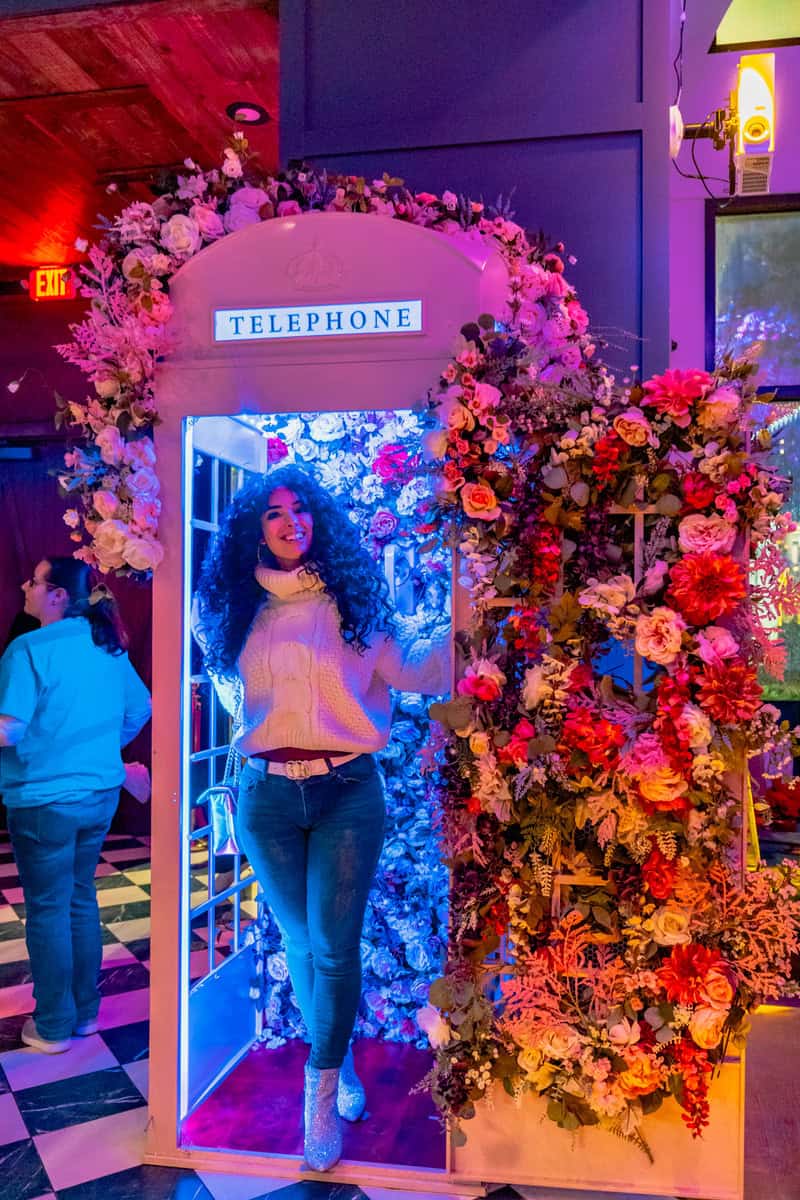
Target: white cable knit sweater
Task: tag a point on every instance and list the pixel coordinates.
(305, 687)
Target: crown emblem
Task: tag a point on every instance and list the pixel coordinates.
(314, 270)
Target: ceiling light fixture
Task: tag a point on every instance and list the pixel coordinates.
(246, 112)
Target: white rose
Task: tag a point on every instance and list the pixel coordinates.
(305, 450)
(181, 236)
(140, 453)
(434, 1025)
(142, 553)
(109, 544)
(111, 445)
(534, 687)
(143, 484)
(327, 427)
(671, 926)
(249, 197)
(105, 503)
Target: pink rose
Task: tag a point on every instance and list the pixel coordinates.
(698, 534)
(658, 636)
(482, 679)
(208, 221)
(715, 644)
(146, 514)
(633, 427)
(180, 236)
(383, 525)
(111, 445)
(277, 450)
(485, 398)
(105, 503)
(480, 502)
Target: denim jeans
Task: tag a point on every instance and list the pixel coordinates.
(314, 846)
(57, 848)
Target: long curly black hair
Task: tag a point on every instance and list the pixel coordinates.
(228, 594)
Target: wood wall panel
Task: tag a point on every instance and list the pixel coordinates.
(565, 103)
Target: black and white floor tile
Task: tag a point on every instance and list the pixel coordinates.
(72, 1125)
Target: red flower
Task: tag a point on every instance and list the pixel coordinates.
(607, 453)
(598, 738)
(698, 490)
(658, 873)
(704, 587)
(783, 797)
(276, 450)
(695, 1071)
(683, 974)
(729, 691)
(515, 750)
(674, 392)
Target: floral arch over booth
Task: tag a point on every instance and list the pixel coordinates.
(605, 945)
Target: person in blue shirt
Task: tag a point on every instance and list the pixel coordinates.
(69, 701)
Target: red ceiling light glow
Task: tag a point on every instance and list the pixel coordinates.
(51, 283)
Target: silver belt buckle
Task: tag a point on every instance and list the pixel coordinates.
(298, 769)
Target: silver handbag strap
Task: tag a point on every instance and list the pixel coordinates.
(233, 763)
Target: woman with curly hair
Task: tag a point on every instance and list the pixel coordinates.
(291, 604)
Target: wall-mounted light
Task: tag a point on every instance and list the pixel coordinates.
(755, 102)
(753, 105)
(246, 112)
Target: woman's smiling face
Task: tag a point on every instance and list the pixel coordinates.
(288, 528)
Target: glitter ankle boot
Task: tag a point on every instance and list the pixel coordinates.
(323, 1131)
(351, 1098)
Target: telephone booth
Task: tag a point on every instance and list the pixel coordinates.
(286, 332)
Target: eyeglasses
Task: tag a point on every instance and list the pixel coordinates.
(34, 582)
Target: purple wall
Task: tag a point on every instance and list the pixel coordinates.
(707, 82)
(563, 103)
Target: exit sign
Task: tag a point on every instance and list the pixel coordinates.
(51, 283)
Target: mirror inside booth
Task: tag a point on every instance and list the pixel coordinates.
(243, 1044)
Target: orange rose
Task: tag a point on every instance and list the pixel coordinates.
(718, 989)
(480, 501)
(633, 427)
(641, 1077)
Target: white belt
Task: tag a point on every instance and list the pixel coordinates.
(298, 768)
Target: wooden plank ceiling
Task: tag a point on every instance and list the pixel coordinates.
(112, 94)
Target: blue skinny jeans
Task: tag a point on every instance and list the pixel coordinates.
(57, 848)
(314, 846)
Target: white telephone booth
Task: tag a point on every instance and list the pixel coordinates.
(320, 313)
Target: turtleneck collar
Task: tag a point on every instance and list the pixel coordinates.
(288, 585)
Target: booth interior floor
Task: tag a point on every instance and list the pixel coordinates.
(72, 1125)
(399, 1127)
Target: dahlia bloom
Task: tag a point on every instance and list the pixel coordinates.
(674, 393)
(704, 587)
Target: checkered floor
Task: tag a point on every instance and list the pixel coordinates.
(72, 1125)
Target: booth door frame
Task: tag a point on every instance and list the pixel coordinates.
(171, 644)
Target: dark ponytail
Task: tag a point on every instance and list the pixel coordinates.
(90, 599)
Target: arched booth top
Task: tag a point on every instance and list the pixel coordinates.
(323, 311)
